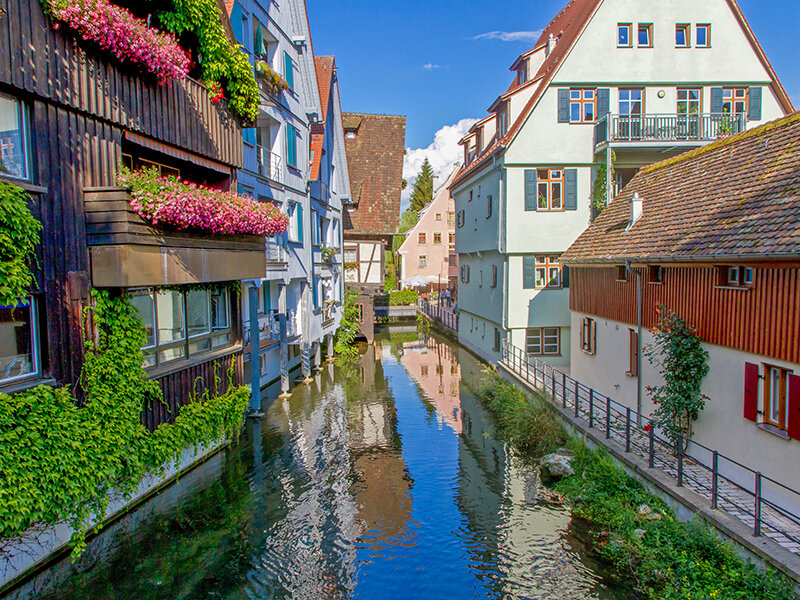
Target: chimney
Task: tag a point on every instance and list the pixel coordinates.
(551, 43)
(637, 209)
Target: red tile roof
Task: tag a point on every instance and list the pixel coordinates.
(735, 199)
(566, 27)
(375, 164)
(324, 66)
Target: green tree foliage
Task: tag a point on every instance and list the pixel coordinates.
(19, 234)
(422, 193)
(602, 176)
(348, 329)
(59, 461)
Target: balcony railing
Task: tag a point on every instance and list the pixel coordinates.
(276, 253)
(269, 164)
(667, 128)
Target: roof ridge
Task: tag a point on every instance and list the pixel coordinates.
(744, 135)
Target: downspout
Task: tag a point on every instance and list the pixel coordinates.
(501, 235)
(638, 341)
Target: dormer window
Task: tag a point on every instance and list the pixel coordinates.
(522, 73)
(502, 123)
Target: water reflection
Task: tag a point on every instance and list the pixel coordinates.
(383, 479)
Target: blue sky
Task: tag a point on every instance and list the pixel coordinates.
(422, 60)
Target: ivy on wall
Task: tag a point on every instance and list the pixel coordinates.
(59, 461)
(19, 234)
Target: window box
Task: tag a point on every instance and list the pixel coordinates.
(127, 252)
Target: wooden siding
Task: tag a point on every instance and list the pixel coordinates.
(181, 387)
(54, 65)
(764, 319)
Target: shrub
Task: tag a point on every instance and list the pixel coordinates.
(403, 298)
(19, 234)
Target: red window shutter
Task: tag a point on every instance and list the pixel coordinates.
(793, 425)
(751, 391)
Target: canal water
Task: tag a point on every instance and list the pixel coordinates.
(384, 479)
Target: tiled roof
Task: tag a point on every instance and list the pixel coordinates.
(738, 198)
(375, 163)
(566, 28)
(324, 66)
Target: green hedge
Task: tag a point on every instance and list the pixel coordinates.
(403, 298)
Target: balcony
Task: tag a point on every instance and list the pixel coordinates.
(269, 164)
(666, 130)
(126, 251)
(276, 253)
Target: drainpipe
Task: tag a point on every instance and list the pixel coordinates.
(638, 341)
(501, 233)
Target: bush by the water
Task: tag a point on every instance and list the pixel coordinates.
(639, 536)
(403, 298)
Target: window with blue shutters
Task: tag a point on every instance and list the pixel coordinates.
(530, 189)
(288, 69)
(754, 110)
(563, 106)
(299, 212)
(570, 189)
(529, 272)
(291, 146)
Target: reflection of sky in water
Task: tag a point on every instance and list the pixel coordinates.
(372, 482)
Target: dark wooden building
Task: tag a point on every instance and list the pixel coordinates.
(70, 113)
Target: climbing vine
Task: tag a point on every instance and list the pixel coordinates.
(600, 189)
(59, 461)
(19, 234)
(348, 328)
(677, 349)
(224, 64)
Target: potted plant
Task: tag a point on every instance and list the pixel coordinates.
(328, 253)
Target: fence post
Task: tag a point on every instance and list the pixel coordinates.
(627, 429)
(680, 460)
(608, 418)
(757, 524)
(527, 369)
(577, 399)
(564, 388)
(714, 479)
(652, 454)
(591, 408)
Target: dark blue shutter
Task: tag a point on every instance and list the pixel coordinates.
(563, 106)
(249, 135)
(571, 189)
(529, 272)
(288, 69)
(530, 189)
(291, 146)
(299, 210)
(716, 100)
(754, 113)
(314, 288)
(603, 102)
(565, 276)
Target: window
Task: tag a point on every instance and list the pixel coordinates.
(494, 276)
(438, 216)
(350, 254)
(502, 123)
(689, 101)
(470, 195)
(350, 135)
(291, 146)
(622, 273)
(451, 219)
(422, 238)
(488, 206)
(288, 69)
(522, 73)
(182, 324)
(464, 273)
(588, 335)
(424, 370)
(624, 31)
(656, 274)
(437, 238)
(776, 396)
(582, 106)
(550, 189)
(19, 357)
(316, 229)
(682, 35)
(734, 101)
(451, 239)
(423, 260)
(496, 347)
(645, 35)
(543, 341)
(548, 272)
(13, 139)
(633, 353)
(735, 276)
(295, 231)
(702, 35)
(630, 102)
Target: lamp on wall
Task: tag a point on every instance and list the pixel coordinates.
(661, 93)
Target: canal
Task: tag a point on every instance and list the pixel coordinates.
(381, 479)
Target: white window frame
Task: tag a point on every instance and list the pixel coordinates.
(34, 341)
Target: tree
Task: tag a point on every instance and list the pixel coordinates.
(422, 193)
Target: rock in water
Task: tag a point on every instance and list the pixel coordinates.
(557, 465)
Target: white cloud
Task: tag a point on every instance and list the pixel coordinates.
(509, 36)
(431, 66)
(443, 154)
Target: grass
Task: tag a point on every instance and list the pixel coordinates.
(673, 560)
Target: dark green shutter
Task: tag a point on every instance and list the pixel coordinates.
(291, 146)
(314, 291)
(754, 112)
(571, 189)
(603, 102)
(563, 106)
(530, 189)
(288, 69)
(716, 100)
(565, 276)
(529, 272)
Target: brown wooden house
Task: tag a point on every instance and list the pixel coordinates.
(70, 113)
(713, 235)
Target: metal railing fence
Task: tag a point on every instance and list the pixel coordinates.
(768, 506)
(443, 315)
(668, 128)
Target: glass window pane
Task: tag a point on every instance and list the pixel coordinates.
(775, 389)
(623, 38)
(644, 36)
(588, 111)
(197, 312)
(219, 309)
(171, 354)
(701, 36)
(170, 316)
(540, 277)
(588, 94)
(17, 357)
(680, 37)
(145, 305)
(543, 195)
(554, 279)
(534, 341)
(555, 200)
(575, 111)
(13, 150)
(575, 94)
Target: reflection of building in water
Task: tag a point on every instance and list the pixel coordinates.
(434, 366)
(382, 487)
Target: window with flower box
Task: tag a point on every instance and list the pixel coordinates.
(183, 324)
(14, 156)
(19, 355)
